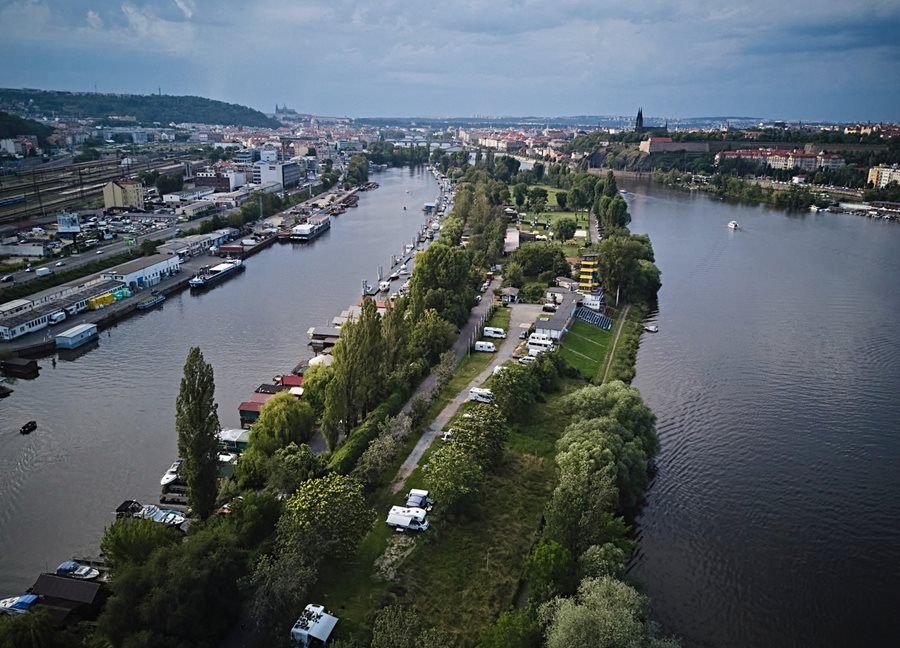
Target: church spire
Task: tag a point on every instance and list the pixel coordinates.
(639, 122)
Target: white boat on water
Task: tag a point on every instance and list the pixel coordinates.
(651, 328)
(733, 225)
(171, 474)
(403, 270)
(72, 569)
(384, 286)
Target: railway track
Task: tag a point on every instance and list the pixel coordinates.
(68, 186)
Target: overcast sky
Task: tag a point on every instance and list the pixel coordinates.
(790, 59)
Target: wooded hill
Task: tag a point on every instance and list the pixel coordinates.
(145, 109)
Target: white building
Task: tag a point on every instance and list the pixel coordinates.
(287, 174)
(144, 272)
(882, 176)
(189, 195)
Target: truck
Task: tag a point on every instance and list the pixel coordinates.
(42, 272)
(485, 346)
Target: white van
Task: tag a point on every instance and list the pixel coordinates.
(407, 519)
(480, 395)
(494, 332)
(485, 346)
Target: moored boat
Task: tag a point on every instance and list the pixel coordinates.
(18, 604)
(209, 276)
(151, 301)
(651, 328)
(311, 229)
(72, 569)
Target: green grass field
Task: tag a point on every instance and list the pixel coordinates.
(585, 348)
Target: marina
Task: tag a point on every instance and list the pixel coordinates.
(247, 331)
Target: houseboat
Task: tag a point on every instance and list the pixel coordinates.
(210, 276)
(76, 336)
(311, 229)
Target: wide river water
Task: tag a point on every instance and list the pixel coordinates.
(774, 519)
(106, 421)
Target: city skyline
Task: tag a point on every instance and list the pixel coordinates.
(361, 58)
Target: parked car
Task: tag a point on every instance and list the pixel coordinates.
(549, 308)
(7, 279)
(60, 264)
(525, 360)
(523, 335)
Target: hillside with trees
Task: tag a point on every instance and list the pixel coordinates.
(145, 109)
(12, 126)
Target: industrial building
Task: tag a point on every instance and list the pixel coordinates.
(144, 272)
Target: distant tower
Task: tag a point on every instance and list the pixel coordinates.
(639, 122)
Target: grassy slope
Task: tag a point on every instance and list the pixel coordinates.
(586, 340)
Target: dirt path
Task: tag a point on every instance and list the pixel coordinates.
(612, 348)
(522, 314)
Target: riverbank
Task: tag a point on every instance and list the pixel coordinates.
(106, 421)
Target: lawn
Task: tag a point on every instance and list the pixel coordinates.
(585, 348)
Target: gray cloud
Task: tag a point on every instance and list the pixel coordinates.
(395, 57)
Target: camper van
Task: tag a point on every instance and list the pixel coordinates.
(485, 346)
(480, 395)
(313, 628)
(494, 332)
(418, 498)
(407, 519)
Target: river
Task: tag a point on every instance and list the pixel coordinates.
(106, 420)
(774, 519)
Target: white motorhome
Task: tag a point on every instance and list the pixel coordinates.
(480, 395)
(539, 343)
(494, 332)
(407, 519)
(485, 346)
(313, 627)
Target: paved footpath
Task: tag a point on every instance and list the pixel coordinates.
(522, 316)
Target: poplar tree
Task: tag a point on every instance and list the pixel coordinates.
(197, 424)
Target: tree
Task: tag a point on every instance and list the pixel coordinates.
(564, 229)
(33, 630)
(328, 514)
(197, 425)
(618, 401)
(516, 629)
(292, 465)
(615, 215)
(562, 199)
(131, 541)
(520, 193)
(431, 335)
(358, 170)
(513, 275)
(169, 184)
(606, 613)
(540, 256)
(384, 451)
(201, 573)
(283, 420)
(610, 188)
(607, 559)
(482, 433)
(550, 570)
(315, 381)
(453, 475)
(514, 391)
